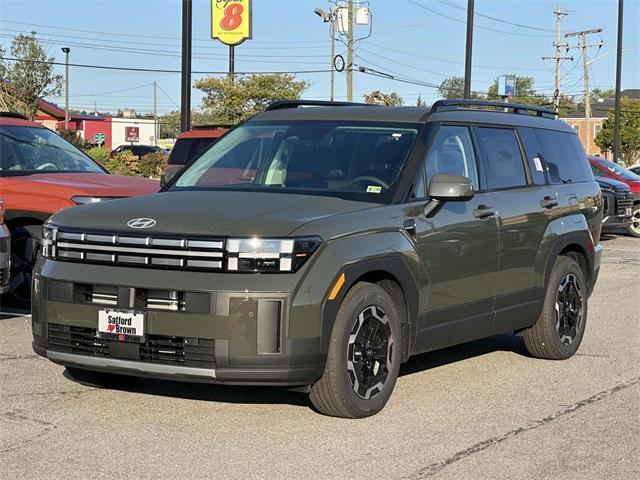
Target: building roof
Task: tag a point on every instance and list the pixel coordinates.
(55, 111)
(602, 109)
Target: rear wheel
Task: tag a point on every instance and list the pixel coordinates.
(364, 355)
(558, 332)
(25, 245)
(634, 228)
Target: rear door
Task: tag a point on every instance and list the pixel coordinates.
(519, 191)
(458, 246)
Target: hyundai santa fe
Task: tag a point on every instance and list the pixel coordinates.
(346, 239)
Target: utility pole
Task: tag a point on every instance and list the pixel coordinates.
(558, 58)
(66, 51)
(185, 100)
(155, 115)
(468, 51)
(616, 122)
(232, 63)
(584, 46)
(350, 51)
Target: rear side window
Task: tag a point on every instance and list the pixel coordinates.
(534, 155)
(564, 156)
(503, 159)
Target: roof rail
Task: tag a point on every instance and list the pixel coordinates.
(453, 104)
(13, 115)
(282, 104)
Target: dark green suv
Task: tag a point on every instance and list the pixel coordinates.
(321, 245)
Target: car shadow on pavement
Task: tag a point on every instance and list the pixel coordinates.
(282, 395)
(499, 343)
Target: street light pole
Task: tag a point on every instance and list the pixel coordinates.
(66, 51)
(469, 48)
(616, 122)
(185, 101)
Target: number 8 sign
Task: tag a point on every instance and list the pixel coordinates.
(231, 21)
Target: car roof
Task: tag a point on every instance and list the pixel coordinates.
(379, 113)
(13, 119)
(204, 133)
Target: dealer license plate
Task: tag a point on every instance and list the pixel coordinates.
(123, 325)
(627, 212)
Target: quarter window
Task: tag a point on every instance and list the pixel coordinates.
(503, 159)
(564, 156)
(452, 153)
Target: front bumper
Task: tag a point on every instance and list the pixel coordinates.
(262, 334)
(615, 223)
(5, 258)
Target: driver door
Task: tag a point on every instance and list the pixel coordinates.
(458, 246)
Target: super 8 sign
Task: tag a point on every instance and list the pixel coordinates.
(231, 21)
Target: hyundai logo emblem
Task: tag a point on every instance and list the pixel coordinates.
(141, 223)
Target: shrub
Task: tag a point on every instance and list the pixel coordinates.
(99, 154)
(123, 163)
(72, 137)
(152, 165)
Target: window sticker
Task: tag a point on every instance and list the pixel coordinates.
(374, 189)
(537, 163)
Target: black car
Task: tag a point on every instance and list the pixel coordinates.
(618, 204)
(635, 169)
(138, 150)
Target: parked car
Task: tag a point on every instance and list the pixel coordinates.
(40, 174)
(618, 205)
(635, 169)
(138, 150)
(5, 251)
(347, 239)
(608, 169)
(190, 145)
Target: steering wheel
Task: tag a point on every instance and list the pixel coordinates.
(47, 166)
(368, 178)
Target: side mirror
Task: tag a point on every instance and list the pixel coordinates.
(168, 175)
(444, 186)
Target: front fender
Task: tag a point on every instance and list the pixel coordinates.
(391, 253)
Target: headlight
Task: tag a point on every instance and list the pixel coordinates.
(82, 200)
(268, 254)
(49, 234)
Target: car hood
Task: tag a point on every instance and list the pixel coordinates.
(96, 184)
(611, 183)
(208, 213)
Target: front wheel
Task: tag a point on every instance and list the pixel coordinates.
(25, 245)
(634, 227)
(364, 355)
(558, 332)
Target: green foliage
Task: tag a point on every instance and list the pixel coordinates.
(99, 154)
(420, 102)
(169, 124)
(24, 82)
(152, 165)
(629, 132)
(378, 98)
(231, 101)
(123, 163)
(453, 87)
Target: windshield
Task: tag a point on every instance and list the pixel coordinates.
(317, 157)
(617, 169)
(27, 150)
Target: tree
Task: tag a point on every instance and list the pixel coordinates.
(30, 78)
(378, 98)
(629, 132)
(231, 101)
(420, 102)
(452, 87)
(601, 93)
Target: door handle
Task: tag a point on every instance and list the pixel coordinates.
(549, 202)
(484, 211)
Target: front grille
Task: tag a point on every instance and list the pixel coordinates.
(168, 350)
(130, 250)
(624, 200)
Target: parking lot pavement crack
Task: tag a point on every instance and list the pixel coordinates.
(16, 415)
(4, 356)
(436, 467)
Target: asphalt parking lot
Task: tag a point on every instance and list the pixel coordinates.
(480, 410)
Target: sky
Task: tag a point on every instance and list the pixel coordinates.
(420, 42)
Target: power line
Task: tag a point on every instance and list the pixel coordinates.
(162, 70)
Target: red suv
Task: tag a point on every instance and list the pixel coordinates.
(608, 169)
(189, 145)
(40, 174)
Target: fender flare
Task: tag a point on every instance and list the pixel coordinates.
(12, 216)
(580, 238)
(393, 265)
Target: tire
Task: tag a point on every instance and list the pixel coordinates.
(343, 391)
(92, 378)
(634, 228)
(558, 332)
(25, 247)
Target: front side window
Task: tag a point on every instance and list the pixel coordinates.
(354, 159)
(452, 153)
(503, 159)
(27, 150)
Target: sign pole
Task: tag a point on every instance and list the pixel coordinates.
(185, 103)
(232, 63)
